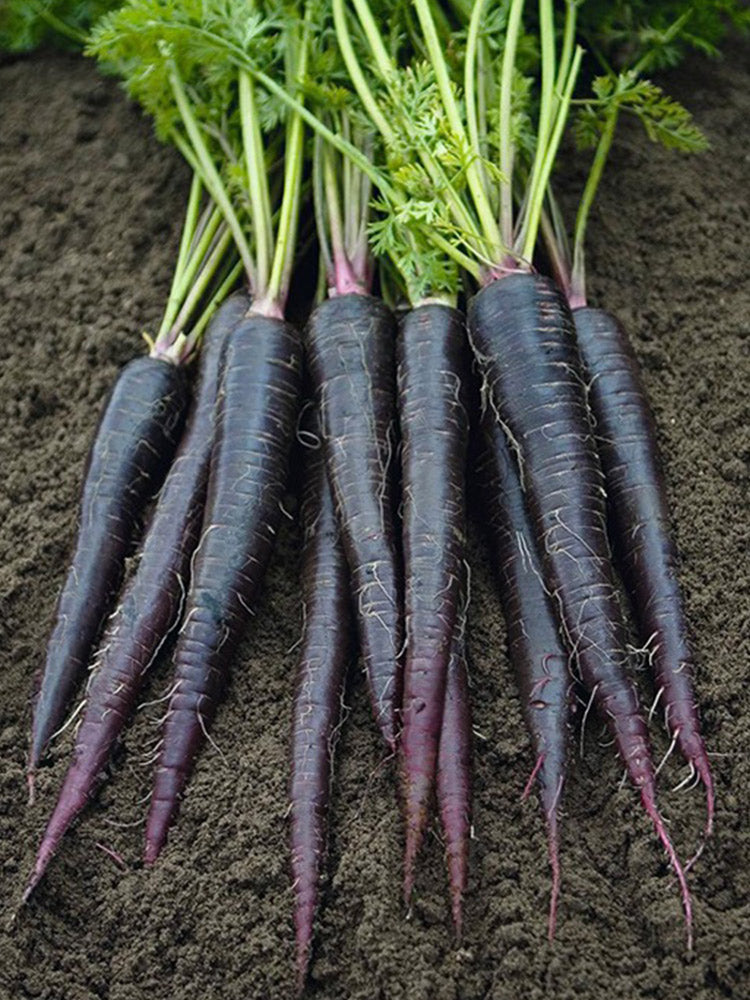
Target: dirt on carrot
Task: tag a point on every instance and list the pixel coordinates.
(89, 219)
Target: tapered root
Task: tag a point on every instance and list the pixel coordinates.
(43, 859)
(703, 769)
(649, 805)
(554, 863)
(304, 951)
(413, 843)
(458, 875)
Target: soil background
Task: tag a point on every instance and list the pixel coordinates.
(90, 208)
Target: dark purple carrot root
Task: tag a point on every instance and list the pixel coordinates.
(639, 514)
(133, 446)
(327, 648)
(454, 774)
(153, 599)
(434, 426)
(255, 424)
(349, 343)
(535, 646)
(524, 338)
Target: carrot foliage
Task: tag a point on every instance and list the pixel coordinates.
(185, 64)
(27, 24)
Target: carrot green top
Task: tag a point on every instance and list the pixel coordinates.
(186, 62)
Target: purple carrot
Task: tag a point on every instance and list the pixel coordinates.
(134, 443)
(431, 355)
(535, 646)
(254, 429)
(350, 349)
(327, 648)
(454, 773)
(151, 605)
(639, 514)
(524, 337)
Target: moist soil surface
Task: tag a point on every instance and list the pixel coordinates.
(90, 208)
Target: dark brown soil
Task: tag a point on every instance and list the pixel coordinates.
(89, 216)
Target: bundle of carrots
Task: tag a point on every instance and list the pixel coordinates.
(425, 138)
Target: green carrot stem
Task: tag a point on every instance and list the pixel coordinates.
(546, 105)
(324, 244)
(187, 153)
(188, 232)
(470, 77)
(566, 54)
(450, 250)
(286, 232)
(347, 184)
(355, 70)
(191, 222)
(257, 178)
(346, 148)
(194, 263)
(506, 134)
(474, 174)
(60, 26)
(361, 242)
(210, 174)
(336, 228)
(381, 55)
(528, 235)
(201, 283)
(193, 339)
(578, 277)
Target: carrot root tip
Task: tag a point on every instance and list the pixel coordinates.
(554, 861)
(661, 832)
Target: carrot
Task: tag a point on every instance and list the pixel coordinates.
(535, 646)
(151, 605)
(521, 329)
(327, 647)
(639, 512)
(350, 350)
(134, 443)
(135, 439)
(454, 773)
(219, 116)
(524, 338)
(434, 431)
(254, 429)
